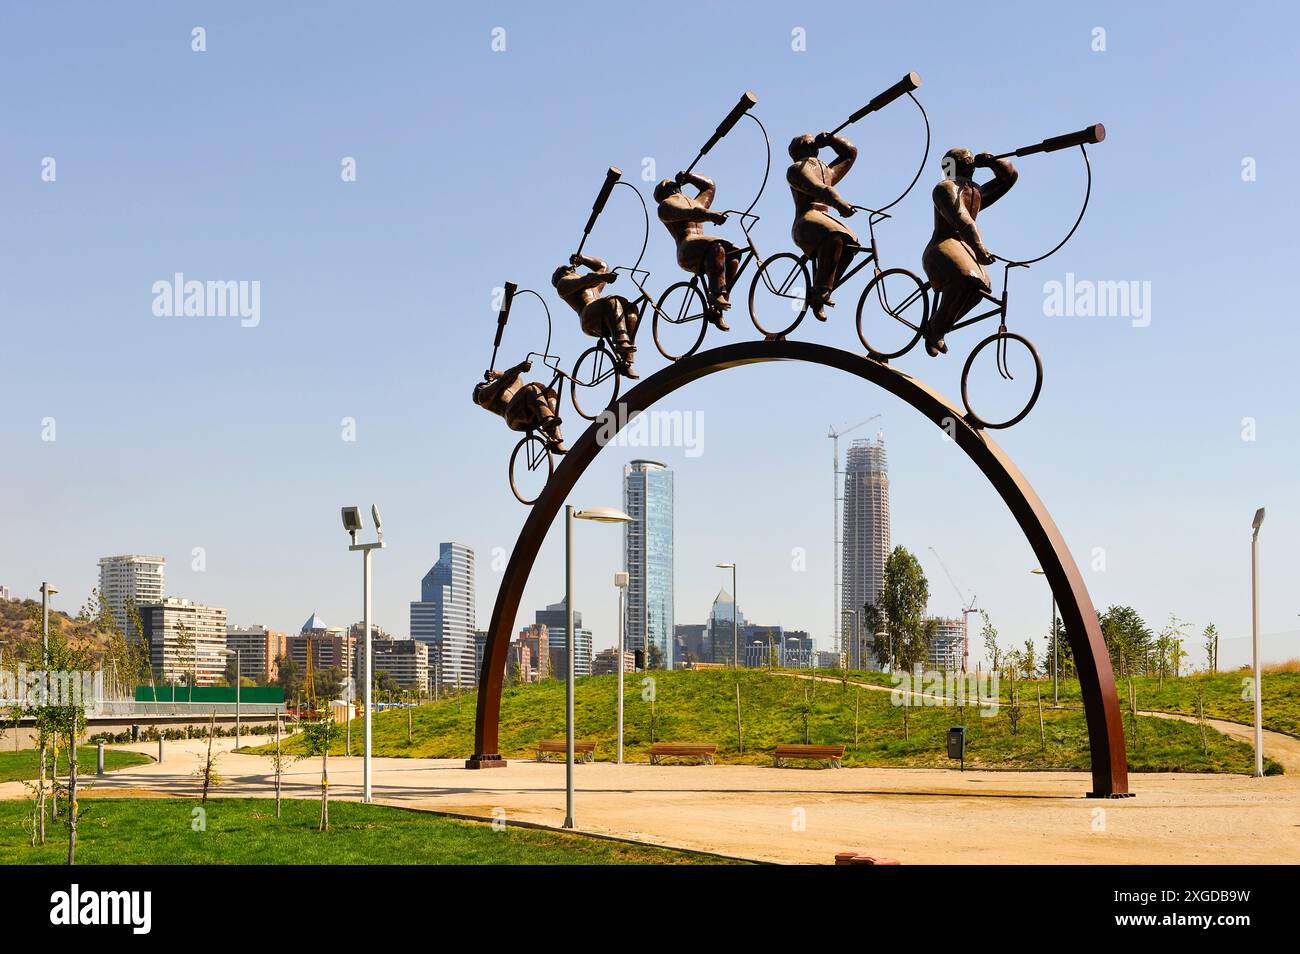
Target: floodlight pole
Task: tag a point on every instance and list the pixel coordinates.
(620, 581)
(367, 549)
(1254, 636)
(47, 590)
(569, 657)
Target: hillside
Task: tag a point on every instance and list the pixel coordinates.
(700, 706)
(20, 630)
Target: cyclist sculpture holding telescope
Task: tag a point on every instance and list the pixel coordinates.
(955, 257)
(822, 237)
(684, 217)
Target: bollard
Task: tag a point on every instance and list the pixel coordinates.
(160, 748)
(99, 760)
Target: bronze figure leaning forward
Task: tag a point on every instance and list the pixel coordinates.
(612, 317)
(525, 405)
(955, 257)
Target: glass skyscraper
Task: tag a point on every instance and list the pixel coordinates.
(648, 559)
(443, 617)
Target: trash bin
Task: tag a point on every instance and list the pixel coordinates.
(135, 733)
(957, 744)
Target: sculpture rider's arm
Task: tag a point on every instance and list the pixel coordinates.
(845, 155)
(805, 177)
(1004, 177)
(575, 283)
(680, 209)
(706, 186)
(947, 201)
(591, 262)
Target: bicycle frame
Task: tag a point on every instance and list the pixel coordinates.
(1001, 312)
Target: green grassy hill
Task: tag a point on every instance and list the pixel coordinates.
(700, 706)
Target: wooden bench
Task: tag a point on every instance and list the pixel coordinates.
(663, 750)
(582, 751)
(831, 753)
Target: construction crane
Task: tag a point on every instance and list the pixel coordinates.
(837, 543)
(967, 607)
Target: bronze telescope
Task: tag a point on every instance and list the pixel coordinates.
(502, 317)
(746, 103)
(612, 175)
(904, 86)
(1089, 134)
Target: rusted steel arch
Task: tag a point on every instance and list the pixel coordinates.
(1097, 682)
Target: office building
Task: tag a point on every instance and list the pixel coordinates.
(648, 560)
(406, 661)
(722, 634)
(865, 538)
(555, 621)
(537, 641)
(259, 651)
(331, 648)
(128, 578)
(692, 643)
(443, 617)
(605, 662)
(187, 641)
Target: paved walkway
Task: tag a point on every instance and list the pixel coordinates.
(806, 815)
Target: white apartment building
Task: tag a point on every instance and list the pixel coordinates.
(131, 576)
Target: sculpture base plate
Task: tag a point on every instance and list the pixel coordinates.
(1112, 795)
(485, 761)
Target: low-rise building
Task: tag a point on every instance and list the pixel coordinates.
(606, 662)
(259, 651)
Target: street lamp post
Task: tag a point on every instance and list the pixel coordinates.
(1056, 651)
(47, 590)
(599, 515)
(352, 523)
(735, 616)
(620, 581)
(1254, 637)
(239, 672)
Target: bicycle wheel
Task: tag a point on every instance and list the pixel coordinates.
(681, 318)
(891, 313)
(780, 292)
(1002, 380)
(595, 381)
(529, 473)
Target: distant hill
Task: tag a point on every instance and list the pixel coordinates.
(20, 630)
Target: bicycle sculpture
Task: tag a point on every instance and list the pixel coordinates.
(955, 261)
(530, 407)
(827, 244)
(895, 311)
(684, 311)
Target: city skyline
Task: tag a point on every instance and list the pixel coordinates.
(1120, 452)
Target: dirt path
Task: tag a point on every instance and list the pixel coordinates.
(927, 816)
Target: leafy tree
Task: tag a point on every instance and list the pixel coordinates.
(900, 608)
(989, 632)
(1127, 637)
(1210, 639)
(317, 739)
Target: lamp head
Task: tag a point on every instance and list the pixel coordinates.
(602, 515)
(726, 566)
(352, 521)
(1258, 521)
(379, 524)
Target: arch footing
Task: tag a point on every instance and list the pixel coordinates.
(481, 761)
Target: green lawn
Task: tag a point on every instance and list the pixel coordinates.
(700, 706)
(22, 765)
(1225, 696)
(245, 831)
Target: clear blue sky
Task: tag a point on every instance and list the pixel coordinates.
(475, 167)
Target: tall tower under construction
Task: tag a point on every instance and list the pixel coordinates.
(866, 539)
